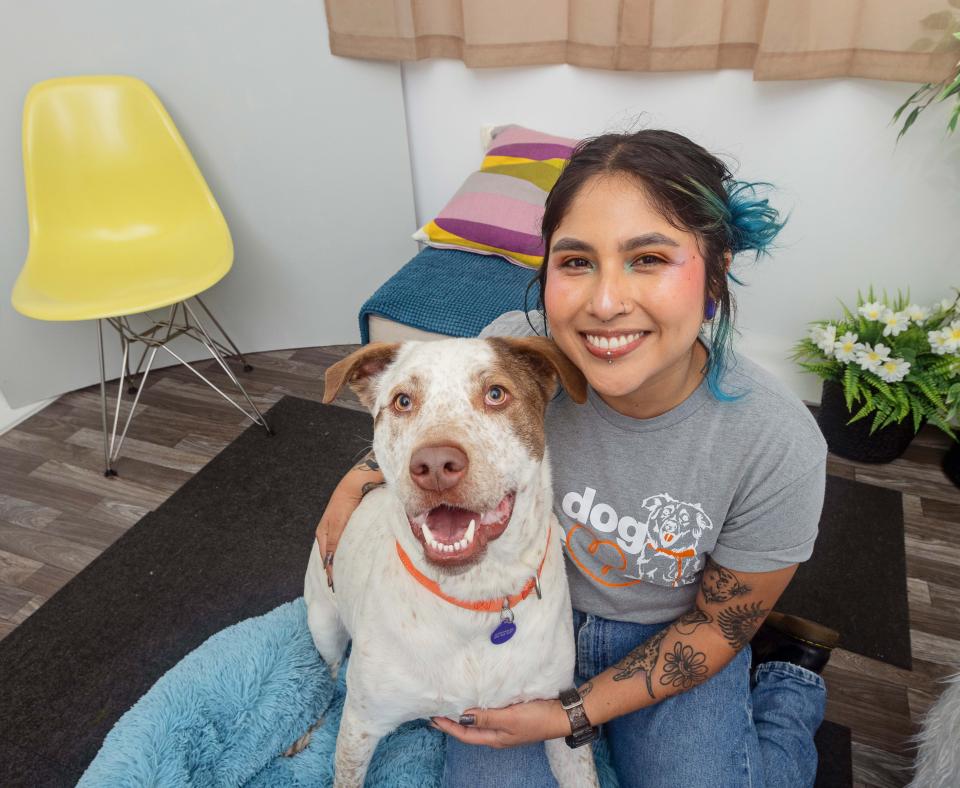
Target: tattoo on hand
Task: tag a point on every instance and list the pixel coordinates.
(642, 660)
(368, 463)
(368, 486)
(683, 667)
(687, 623)
(584, 689)
(740, 622)
(721, 585)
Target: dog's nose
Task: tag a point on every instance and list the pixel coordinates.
(438, 468)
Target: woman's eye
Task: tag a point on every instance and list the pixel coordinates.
(575, 263)
(496, 395)
(402, 402)
(647, 261)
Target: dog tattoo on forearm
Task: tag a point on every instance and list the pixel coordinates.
(721, 585)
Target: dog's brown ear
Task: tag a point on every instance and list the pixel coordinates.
(359, 370)
(549, 361)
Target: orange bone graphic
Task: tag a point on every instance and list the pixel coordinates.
(592, 548)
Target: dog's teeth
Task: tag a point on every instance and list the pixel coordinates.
(462, 544)
(471, 530)
(449, 548)
(427, 533)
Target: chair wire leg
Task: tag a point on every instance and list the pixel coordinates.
(159, 335)
(116, 411)
(108, 469)
(215, 352)
(236, 350)
(258, 419)
(143, 381)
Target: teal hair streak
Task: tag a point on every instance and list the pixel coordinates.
(720, 354)
(749, 223)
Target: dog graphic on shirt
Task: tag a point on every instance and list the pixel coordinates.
(674, 528)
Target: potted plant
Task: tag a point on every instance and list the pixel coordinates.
(886, 369)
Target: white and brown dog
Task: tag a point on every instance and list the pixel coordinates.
(450, 579)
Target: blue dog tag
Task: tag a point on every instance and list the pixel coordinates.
(503, 632)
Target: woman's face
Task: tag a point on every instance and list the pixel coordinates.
(625, 286)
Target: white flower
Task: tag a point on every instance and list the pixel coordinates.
(894, 322)
(872, 310)
(828, 336)
(947, 304)
(893, 370)
(939, 341)
(952, 336)
(847, 348)
(872, 357)
(917, 313)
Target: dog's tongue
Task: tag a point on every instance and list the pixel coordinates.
(448, 524)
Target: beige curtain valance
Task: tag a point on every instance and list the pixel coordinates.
(909, 40)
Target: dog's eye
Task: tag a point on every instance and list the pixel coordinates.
(403, 402)
(496, 395)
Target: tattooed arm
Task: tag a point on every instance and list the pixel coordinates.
(369, 465)
(358, 481)
(729, 608)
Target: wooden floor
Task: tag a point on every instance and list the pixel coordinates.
(58, 513)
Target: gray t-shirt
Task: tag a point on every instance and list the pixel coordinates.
(643, 502)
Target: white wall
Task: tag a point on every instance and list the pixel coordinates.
(861, 210)
(306, 154)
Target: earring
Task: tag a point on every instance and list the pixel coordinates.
(710, 309)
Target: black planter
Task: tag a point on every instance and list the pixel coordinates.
(854, 441)
(951, 463)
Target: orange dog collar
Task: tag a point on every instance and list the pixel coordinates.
(484, 605)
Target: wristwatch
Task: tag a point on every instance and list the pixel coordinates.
(581, 731)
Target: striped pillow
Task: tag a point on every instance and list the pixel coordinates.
(498, 210)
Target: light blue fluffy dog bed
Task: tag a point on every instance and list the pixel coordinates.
(225, 712)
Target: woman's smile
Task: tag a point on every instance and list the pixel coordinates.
(607, 344)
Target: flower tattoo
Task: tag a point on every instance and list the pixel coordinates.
(683, 667)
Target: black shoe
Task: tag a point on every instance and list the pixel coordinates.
(784, 638)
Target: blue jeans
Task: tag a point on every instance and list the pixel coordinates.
(733, 730)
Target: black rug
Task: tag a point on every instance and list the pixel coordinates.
(230, 544)
(856, 580)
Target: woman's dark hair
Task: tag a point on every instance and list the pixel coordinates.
(694, 191)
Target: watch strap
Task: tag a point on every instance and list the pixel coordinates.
(581, 731)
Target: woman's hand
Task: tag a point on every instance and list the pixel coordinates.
(345, 499)
(522, 723)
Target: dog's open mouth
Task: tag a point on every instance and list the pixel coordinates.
(452, 536)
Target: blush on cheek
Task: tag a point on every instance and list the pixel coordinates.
(689, 284)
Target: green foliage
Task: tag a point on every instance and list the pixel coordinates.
(921, 384)
(929, 92)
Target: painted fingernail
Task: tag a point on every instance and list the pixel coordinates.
(327, 560)
(468, 719)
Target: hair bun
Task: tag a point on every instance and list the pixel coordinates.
(753, 223)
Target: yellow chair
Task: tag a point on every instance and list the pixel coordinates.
(121, 223)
